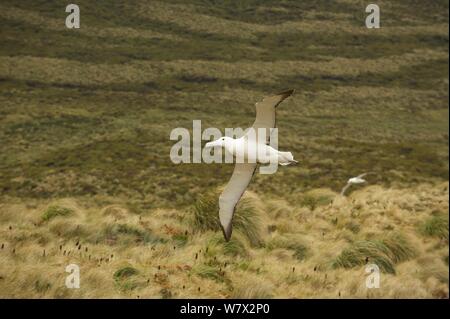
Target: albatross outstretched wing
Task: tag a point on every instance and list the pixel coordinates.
(364, 174)
(344, 189)
(232, 193)
(243, 172)
(266, 112)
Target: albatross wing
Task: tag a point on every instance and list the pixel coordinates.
(232, 193)
(365, 174)
(344, 189)
(243, 172)
(266, 112)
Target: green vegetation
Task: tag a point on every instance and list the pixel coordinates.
(210, 272)
(125, 272)
(252, 289)
(125, 278)
(385, 253)
(353, 227)
(234, 247)
(86, 116)
(54, 211)
(126, 235)
(300, 251)
(245, 220)
(312, 201)
(435, 226)
(42, 286)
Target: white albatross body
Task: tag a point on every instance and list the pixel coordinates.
(243, 171)
(252, 152)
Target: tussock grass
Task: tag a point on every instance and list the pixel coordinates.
(125, 272)
(436, 270)
(68, 229)
(435, 226)
(81, 121)
(180, 239)
(250, 287)
(209, 272)
(234, 247)
(125, 278)
(126, 234)
(399, 248)
(385, 253)
(245, 221)
(42, 286)
(353, 226)
(55, 211)
(206, 212)
(316, 198)
(299, 249)
(115, 211)
(291, 264)
(358, 252)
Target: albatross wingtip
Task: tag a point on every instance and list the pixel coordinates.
(227, 232)
(286, 93)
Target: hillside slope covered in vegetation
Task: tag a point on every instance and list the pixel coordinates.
(82, 112)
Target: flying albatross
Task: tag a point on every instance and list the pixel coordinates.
(243, 172)
(355, 181)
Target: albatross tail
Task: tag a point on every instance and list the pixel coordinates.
(286, 158)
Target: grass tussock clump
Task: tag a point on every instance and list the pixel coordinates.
(299, 249)
(125, 272)
(435, 226)
(68, 229)
(251, 287)
(42, 286)
(245, 220)
(54, 211)
(399, 249)
(209, 271)
(115, 211)
(125, 234)
(385, 253)
(124, 278)
(316, 198)
(353, 226)
(234, 247)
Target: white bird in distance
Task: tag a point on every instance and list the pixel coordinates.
(355, 181)
(243, 172)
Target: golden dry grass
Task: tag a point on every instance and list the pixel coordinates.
(169, 258)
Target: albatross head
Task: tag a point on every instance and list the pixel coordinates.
(221, 142)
